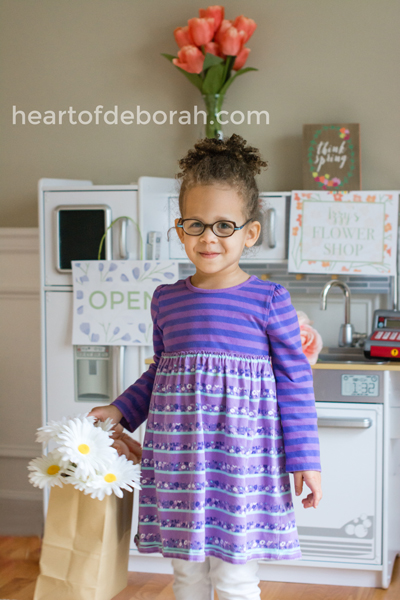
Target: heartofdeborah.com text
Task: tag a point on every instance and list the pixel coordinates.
(127, 117)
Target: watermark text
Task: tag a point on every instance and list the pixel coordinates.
(139, 117)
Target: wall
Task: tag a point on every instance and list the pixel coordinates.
(319, 62)
(20, 502)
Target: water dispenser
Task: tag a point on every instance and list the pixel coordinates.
(93, 373)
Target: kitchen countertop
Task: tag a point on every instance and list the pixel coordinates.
(354, 366)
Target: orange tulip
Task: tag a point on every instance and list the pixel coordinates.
(226, 23)
(183, 37)
(232, 41)
(190, 59)
(244, 24)
(212, 48)
(241, 58)
(216, 12)
(201, 30)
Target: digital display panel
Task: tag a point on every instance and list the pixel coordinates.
(392, 323)
(360, 385)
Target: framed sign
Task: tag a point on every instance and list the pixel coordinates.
(331, 157)
(343, 232)
(112, 300)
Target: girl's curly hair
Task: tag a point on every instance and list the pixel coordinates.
(228, 161)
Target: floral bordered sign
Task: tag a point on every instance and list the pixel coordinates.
(112, 300)
(343, 232)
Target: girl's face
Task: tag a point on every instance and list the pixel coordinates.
(210, 203)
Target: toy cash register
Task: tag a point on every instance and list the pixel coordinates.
(384, 342)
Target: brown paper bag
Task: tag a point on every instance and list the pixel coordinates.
(85, 549)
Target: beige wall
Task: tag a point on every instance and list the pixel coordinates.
(319, 61)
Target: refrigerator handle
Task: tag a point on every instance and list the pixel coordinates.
(120, 370)
(271, 216)
(123, 251)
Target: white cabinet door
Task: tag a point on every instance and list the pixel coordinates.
(347, 524)
(59, 358)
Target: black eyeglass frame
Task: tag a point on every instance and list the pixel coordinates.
(211, 225)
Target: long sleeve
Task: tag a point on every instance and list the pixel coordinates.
(294, 385)
(134, 402)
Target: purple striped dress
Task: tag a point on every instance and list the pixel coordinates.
(230, 412)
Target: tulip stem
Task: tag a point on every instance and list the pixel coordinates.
(229, 62)
(213, 104)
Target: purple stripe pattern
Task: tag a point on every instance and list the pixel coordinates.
(230, 412)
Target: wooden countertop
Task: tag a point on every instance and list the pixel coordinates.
(343, 366)
(340, 366)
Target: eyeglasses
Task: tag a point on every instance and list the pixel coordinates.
(219, 228)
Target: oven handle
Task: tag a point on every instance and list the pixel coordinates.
(123, 252)
(360, 423)
(271, 220)
(120, 370)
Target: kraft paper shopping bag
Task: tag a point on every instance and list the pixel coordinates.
(85, 547)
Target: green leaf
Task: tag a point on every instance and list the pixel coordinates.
(213, 79)
(169, 56)
(193, 77)
(211, 60)
(230, 81)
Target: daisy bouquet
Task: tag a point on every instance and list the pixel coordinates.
(93, 456)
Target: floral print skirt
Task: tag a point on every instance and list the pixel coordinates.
(213, 464)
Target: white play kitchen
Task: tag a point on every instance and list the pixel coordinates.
(348, 269)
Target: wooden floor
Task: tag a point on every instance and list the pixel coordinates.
(19, 567)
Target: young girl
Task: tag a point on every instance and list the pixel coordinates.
(229, 398)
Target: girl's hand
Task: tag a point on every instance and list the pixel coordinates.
(102, 413)
(313, 480)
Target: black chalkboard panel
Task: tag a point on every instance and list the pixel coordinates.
(79, 235)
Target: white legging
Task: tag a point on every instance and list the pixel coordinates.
(197, 580)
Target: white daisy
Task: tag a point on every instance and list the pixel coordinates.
(106, 425)
(50, 431)
(63, 462)
(120, 474)
(46, 470)
(53, 428)
(85, 445)
(79, 481)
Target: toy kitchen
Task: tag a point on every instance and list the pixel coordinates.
(337, 256)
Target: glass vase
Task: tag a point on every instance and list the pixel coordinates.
(213, 102)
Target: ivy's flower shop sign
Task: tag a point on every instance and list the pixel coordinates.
(343, 232)
(112, 300)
